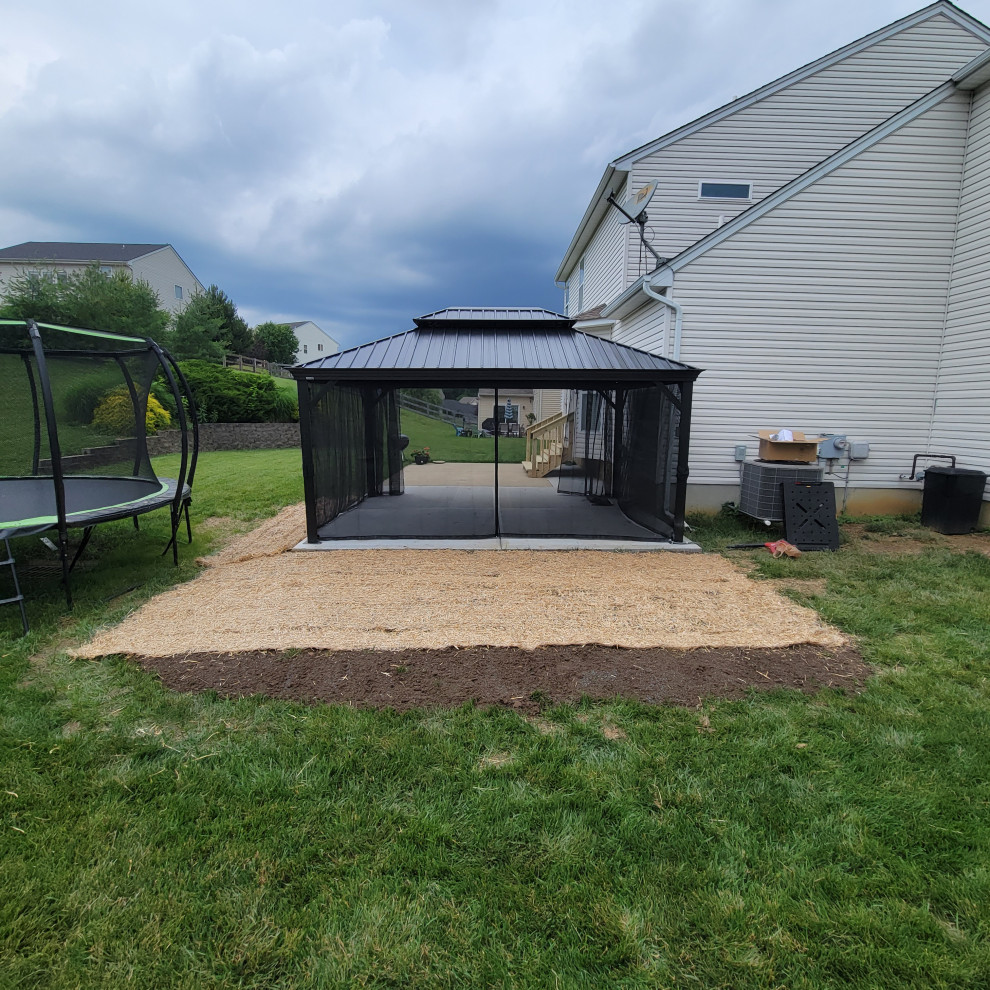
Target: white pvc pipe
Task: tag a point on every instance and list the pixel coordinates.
(676, 309)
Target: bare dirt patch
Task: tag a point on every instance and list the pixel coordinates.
(524, 680)
(913, 538)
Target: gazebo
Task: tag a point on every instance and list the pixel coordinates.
(622, 440)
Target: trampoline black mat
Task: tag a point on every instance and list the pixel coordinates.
(461, 512)
(29, 503)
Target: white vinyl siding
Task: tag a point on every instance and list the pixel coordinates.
(961, 424)
(546, 403)
(776, 139)
(603, 265)
(646, 329)
(826, 314)
(164, 271)
(313, 340)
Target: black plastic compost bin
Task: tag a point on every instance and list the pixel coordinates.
(952, 499)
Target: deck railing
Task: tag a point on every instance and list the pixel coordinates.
(548, 444)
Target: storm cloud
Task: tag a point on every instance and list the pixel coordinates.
(361, 163)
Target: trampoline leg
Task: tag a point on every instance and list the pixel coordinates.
(87, 532)
(174, 540)
(63, 547)
(188, 524)
(135, 518)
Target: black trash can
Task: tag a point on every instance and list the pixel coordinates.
(952, 499)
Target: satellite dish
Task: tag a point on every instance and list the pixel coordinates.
(634, 211)
(636, 204)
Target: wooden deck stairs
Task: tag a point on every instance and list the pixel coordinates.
(548, 444)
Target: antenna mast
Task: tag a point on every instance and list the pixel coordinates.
(634, 210)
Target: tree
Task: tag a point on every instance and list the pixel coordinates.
(277, 341)
(215, 304)
(195, 337)
(87, 299)
(432, 395)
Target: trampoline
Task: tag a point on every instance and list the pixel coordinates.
(79, 405)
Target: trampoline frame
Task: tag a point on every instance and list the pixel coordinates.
(174, 493)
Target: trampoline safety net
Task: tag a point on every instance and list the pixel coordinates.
(101, 396)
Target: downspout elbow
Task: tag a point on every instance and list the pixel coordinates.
(676, 309)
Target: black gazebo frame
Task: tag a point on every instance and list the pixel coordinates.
(349, 412)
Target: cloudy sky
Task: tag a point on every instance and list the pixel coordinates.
(360, 163)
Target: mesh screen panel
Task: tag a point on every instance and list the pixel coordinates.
(355, 448)
(618, 476)
(648, 458)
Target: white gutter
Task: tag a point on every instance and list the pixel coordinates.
(677, 309)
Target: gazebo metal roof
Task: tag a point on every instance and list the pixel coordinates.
(495, 345)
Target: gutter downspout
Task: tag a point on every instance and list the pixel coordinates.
(677, 309)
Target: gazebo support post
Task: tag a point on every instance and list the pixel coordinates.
(372, 435)
(306, 443)
(684, 430)
(618, 411)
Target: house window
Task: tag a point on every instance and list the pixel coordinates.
(61, 276)
(725, 190)
(178, 292)
(305, 349)
(106, 270)
(319, 347)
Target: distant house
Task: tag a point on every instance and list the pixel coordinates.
(513, 405)
(313, 342)
(822, 250)
(157, 264)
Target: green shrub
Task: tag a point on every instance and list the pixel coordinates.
(79, 400)
(115, 414)
(226, 396)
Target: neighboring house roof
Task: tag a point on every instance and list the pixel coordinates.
(520, 351)
(616, 172)
(464, 409)
(77, 252)
(634, 296)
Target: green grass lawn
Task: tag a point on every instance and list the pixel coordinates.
(151, 839)
(445, 445)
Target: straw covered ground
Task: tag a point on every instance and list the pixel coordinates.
(529, 621)
(254, 595)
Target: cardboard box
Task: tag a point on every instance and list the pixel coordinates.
(801, 449)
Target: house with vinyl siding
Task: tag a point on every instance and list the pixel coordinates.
(159, 265)
(823, 256)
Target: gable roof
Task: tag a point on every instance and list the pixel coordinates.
(495, 350)
(634, 296)
(617, 170)
(77, 251)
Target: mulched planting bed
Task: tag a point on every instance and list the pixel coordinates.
(526, 680)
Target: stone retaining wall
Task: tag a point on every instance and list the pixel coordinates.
(230, 436)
